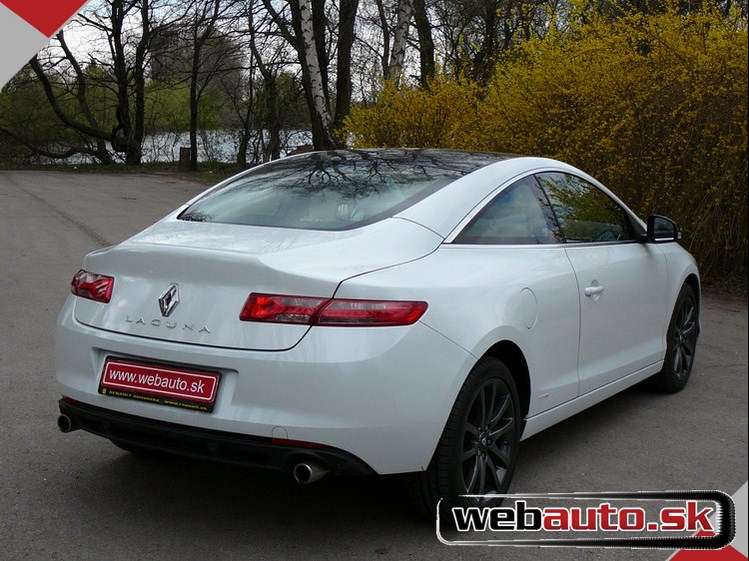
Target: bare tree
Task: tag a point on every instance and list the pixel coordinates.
(30, 130)
(226, 56)
(426, 42)
(127, 70)
(90, 126)
(346, 36)
(272, 150)
(300, 33)
(124, 64)
(471, 33)
(202, 25)
(385, 28)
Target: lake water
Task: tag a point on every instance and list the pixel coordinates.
(213, 146)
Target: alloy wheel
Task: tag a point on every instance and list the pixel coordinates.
(489, 439)
(684, 339)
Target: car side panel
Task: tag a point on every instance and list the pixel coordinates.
(622, 326)
(681, 265)
(551, 417)
(481, 295)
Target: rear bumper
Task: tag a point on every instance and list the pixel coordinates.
(382, 395)
(206, 444)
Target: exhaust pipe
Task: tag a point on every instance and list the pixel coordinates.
(309, 472)
(65, 424)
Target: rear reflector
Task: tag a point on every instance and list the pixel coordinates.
(92, 286)
(302, 310)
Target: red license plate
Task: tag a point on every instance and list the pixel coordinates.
(160, 384)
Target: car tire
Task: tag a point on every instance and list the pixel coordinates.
(478, 450)
(681, 343)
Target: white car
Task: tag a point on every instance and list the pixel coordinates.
(377, 311)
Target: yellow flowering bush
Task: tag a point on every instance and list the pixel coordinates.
(655, 106)
(416, 117)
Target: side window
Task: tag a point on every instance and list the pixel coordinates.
(520, 214)
(585, 213)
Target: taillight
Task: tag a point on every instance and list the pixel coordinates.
(92, 286)
(303, 310)
(281, 309)
(370, 312)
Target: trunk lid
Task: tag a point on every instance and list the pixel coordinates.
(216, 266)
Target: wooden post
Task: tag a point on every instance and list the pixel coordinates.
(184, 159)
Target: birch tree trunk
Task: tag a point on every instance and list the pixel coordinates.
(316, 85)
(400, 38)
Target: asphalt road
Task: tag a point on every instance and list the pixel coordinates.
(76, 496)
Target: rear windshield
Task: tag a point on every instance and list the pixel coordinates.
(334, 190)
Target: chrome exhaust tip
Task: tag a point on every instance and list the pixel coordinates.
(309, 472)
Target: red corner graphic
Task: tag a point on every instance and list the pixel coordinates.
(728, 553)
(46, 15)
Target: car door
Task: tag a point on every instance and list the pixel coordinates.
(621, 282)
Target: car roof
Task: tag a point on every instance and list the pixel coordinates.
(467, 160)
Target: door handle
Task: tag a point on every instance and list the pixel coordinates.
(594, 290)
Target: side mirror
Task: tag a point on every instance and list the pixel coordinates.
(662, 229)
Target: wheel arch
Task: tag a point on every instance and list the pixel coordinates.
(694, 284)
(513, 357)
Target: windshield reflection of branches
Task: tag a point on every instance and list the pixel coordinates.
(300, 191)
(359, 173)
(355, 179)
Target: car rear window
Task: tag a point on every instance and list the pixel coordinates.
(334, 190)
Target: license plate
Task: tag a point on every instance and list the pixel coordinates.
(163, 385)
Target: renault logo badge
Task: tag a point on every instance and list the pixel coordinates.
(169, 300)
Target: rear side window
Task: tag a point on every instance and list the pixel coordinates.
(520, 214)
(585, 213)
(334, 190)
